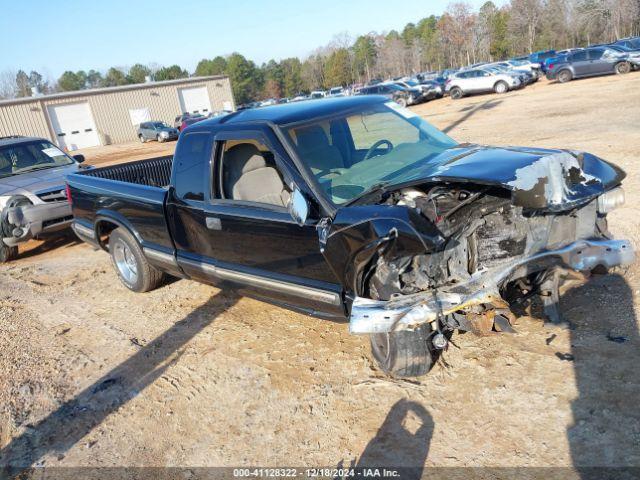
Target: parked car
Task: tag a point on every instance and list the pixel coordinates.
(559, 54)
(631, 43)
(33, 201)
(427, 90)
(355, 208)
(588, 63)
(317, 94)
(633, 54)
(531, 69)
(540, 57)
(193, 119)
(177, 122)
(480, 81)
(525, 78)
(336, 92)
(159, 131)
(402, 96)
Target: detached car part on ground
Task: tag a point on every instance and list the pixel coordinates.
(357, 208)
(33, 201)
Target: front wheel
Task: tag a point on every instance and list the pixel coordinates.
(7, 253)
(159, 139)
(501, 87)
(623, 67)
(456, 93)
(130, 263)
(405, 353)
(402, 102)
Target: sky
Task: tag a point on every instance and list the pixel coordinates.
(52, 36)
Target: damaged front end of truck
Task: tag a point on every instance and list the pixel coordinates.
(462, 244)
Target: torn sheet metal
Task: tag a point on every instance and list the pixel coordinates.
(405, 312)
(554, 177)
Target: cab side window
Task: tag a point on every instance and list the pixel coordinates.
(191, 161)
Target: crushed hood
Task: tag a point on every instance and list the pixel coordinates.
(537, 178)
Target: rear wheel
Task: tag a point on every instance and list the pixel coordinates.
(7, 253)
(141, 137)
(456, 93)
(623, 67)
(159, 139)
(564, 76)
(405, 353)
(132, 267)
(402, 102)
(501, 87)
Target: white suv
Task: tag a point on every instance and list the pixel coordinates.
(480, 81)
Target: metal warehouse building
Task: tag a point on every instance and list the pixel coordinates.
(105, 116)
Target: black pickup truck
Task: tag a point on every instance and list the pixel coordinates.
(356, 208)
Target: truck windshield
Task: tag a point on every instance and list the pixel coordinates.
(381, 143)
(26, 157)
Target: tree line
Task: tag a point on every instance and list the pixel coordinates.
(460, 36)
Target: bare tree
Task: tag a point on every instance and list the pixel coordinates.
(8, 85)
(524, 21)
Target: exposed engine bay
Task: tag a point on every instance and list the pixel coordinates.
(496, 255)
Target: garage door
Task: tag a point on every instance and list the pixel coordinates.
(73, 126)
(194, 100)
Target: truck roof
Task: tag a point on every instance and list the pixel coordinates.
(293, 112)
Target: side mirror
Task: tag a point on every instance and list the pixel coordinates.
(79, 158)
(298, 207)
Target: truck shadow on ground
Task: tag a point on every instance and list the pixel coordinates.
(605, 351)
(470, 111)
(66, 426)
(402, 440)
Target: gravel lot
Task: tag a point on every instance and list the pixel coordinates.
(94, 375)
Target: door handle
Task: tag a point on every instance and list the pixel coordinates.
(214, 223)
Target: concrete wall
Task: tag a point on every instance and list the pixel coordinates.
(110, 108)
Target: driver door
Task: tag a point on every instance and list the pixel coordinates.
(252, 242)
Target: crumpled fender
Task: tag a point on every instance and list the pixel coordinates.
(359, 235)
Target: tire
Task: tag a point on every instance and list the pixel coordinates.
(623, 68)
(456, 93)
(501, 87)
(405, 353)
(402, 102)
(159, 139)
(7, 253)
(130, 263)
(141, 137)
(565, 76)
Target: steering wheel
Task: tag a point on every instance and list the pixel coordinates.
(377, 145)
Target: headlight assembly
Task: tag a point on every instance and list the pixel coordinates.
(611, 200)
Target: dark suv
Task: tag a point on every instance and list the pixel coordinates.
(588, 63)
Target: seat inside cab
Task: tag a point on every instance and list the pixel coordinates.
(249, 173)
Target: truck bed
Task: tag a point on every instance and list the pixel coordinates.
(155, 172)
(131, 195)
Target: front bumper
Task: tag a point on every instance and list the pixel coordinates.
(407, 312)
(32, 220)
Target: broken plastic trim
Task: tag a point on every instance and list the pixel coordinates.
(28, 220)
(408, 311)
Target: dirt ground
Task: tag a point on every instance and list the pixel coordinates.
(94, 375)
(126, 152)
